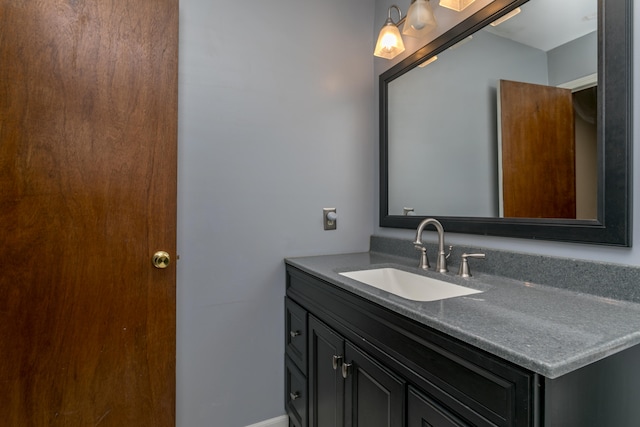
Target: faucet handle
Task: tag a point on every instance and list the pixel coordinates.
(424, 260)
(464, 265)
(450, 249)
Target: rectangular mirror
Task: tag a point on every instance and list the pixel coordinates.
(466, 138)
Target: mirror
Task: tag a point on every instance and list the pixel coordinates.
(449, 153)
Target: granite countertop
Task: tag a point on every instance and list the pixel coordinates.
(547, 330)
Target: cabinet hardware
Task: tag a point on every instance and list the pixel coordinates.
(294, 333)
(336, 361)
(294, 396)
(346, 368)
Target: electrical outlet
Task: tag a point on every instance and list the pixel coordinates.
(329, 218)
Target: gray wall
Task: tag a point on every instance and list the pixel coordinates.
(629, 256)
(276, 121)
(454, 122)
(573, 60)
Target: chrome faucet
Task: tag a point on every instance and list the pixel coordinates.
(441, 263)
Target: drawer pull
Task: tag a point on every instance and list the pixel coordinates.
(294, 396)
(346, 368)
(336, 362)
(294, 333)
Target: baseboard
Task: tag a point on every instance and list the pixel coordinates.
(282, 421)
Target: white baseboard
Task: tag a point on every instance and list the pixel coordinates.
(282, 421)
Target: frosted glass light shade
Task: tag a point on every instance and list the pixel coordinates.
(420, 19)
(389, 43)
(457, 5)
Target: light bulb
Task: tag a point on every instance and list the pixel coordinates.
(389, 41)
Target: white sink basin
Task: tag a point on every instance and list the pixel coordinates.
(408, 285)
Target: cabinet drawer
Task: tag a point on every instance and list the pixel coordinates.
(296, 334)
(295, 394)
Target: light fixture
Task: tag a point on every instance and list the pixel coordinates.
(457, 5)
(420, 19)
(509, 15)
(428, 61)
(390, 43)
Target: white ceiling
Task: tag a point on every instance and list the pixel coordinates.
(546, 24)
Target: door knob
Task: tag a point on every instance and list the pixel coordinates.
(161, 259)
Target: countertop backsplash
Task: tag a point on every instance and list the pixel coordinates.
(615, 281)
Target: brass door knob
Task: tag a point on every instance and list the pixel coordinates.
(161, 259)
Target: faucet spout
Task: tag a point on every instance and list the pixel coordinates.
(441, 263)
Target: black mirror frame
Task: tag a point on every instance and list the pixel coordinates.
(615, 137)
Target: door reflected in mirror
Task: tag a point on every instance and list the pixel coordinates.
(547, 151)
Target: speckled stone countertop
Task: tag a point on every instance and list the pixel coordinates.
(548, 330)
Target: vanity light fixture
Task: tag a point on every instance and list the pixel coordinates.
(434, 58)
(390, 43)
(457, 5)
(420, 19)
(508, 16)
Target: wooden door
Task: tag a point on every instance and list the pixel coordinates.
(538, 151)
(88, 131)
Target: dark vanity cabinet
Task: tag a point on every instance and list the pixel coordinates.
(347, 387)
(367, 366)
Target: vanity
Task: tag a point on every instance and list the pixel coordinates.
(536, 341)
(514, 354)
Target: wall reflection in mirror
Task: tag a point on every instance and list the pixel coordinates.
(502, 124)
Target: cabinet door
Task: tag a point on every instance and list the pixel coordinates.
(423, 411)
(326, 385)
(374, 396)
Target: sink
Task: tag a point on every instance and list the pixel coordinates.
(409, 285)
